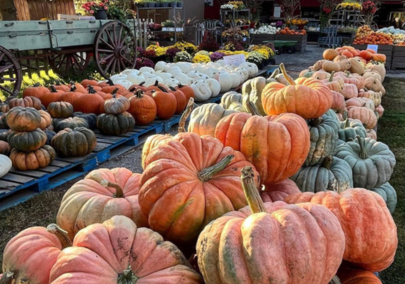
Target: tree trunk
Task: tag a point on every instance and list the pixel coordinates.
(8, 12)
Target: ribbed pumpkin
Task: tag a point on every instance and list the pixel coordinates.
(350, 128)
(278, 191)
(32, 160)
(350, 91)
(371, 234)
(4, 148)
(166, 104)
(348, 275)
(53, 95)
(102, 194)
(323, 135)
(230, 97)
(252, 92)
(88, 103)
(27, 141)
(365, 115)
(276, 145)
(333, 174)
(46, 119)
(334, 84)
(70, 122)
(330, 54)
(90, 118)
(374, 96)
(35, 91)
(204, 119)
(371, 134)
(231, 249)
(306, 97)
(124, 254)
(360, 102)
(116, 105)
(204, 184)
(388, 193)
(4, 107)
(3, 121)
(142, 108)
(60, 109)
(26, 102)
(29, 256)
(338, 103)
(115, 124)
(23, 119)
(71, 95)
(76, 142)
(372, 162)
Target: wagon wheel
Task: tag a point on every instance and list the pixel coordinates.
(10, 72)
(70, 63)
(114, 48)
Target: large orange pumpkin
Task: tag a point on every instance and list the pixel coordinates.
(118, 252)
(102, 194)
(30, 255)
(187, 182)
(349, 275)
(276, 145)
(371, 233)
(278, 191)
(35, 91)
(88, 103)
(53, 95)
(142, 108)
(271, 243)
(306, 97)
(166, 104)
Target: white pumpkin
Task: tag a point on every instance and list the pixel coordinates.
(251, 67)
(213, 64)
(146, 70)
(221, 62)
(152, 81)
(184, 79)
(171, 82)
(118, 77)
(125, 83)
(205, 70)
(215, 87)
(196, 75)
(243, 73)
(174, 70)
(149, 75)
(184, 66)
(225, 81)
(161, 66)
(136, 78)
(235, 79)
(164, 75)
(5, 165)
(202, 91)
(130, 71)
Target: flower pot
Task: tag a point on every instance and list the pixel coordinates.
(101, 14)
(173, 4)
(179, 4)
(151, 4)
(165, 4)
(158, 4)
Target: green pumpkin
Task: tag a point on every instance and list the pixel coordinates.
(23, 119)
(4, 134)
(324, 136)
(3, 122)
(350, 128)
(76, 142)
(115, 124)
(71, 122)
(372, 162)
(334, 174)
(90, 118)
(60, 109)
(231, 97)
(388, 193)
(27, 141)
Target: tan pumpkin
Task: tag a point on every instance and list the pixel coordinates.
(318, 65)
(373, 84)
(380, 110)
(360, 102)
(334, 84)
(344, 64)
(321, 75)
(356, 66)
(373, 74)
(46, 119)
(374, 96)
(4, 148)
(356, 80)
(338, 103)
(350, 91)
(339, 58)
(229, 97)
(29, 101)
(330, 66)
(330, 54)
(379, 68)
(372, 134)
(365, 115)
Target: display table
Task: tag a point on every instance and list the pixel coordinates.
(385, 49)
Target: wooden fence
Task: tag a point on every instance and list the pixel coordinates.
(29, 10)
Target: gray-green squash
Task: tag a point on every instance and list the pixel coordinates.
(350, 128)
(388, 193)
(70, 122)
(334, 174)
(27, 141)
(231, 98)
(324, 136)
(76, 142)
(115, 124)
(372, 162)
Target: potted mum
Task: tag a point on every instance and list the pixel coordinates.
(97, 9)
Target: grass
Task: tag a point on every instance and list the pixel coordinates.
(42, 209)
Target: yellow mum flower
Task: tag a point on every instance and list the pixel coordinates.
(35, 77)
(199, 58)
(52, 75)
(43, 75)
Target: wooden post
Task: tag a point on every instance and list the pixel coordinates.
(8, 11)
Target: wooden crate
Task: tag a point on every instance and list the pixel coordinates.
(37, 9)
(383, 48)
(259, 38)
(398, 57)
(300, 39)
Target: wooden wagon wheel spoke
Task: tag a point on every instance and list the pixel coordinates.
(10, 74)
(70, 62)
(113, 48)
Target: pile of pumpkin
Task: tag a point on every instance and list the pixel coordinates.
(287, 31)
(223, 195)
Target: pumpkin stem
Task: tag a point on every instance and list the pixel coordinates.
(347, 123)
(288, 78)
(73, 88)
(139, 94)
(113, 93)
(327, 163)
(60, 234)
(110, 82)
(7, 278)
(118, 193)
(91, 90)
(253, 109)
(331, 76)
(37, 84)
(207, 173)
(127, 277)
(252, 194)
(335, 280)
(362, 144)
(53, 89)
(185, 115)
(274, 74)
(316, 121)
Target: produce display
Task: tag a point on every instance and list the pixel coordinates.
(266, 29)
(287, 31)
(283, 180)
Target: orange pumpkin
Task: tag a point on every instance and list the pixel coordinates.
(88, 103)
(338, 103)
(102, 194)
(180, 99)
(71, 96)
(89, 82)
(204, 184)
(379, 57)
(371, 233)
(303, 243)
(349, 275)
(166, 104)
(142, 108)
(278, 191)
(46, 119)
(187, 91)
(35, 91)
(110, 87)
(306, 97)
(330, 54)
(79, 87)
(30, 255)
(29, 101)
(350, 91)
(53, 95)
(117, 251)
(365, 115)
(276, 145)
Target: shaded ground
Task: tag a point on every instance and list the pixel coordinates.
(42, 209)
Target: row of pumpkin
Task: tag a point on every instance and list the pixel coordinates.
(192, 179)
